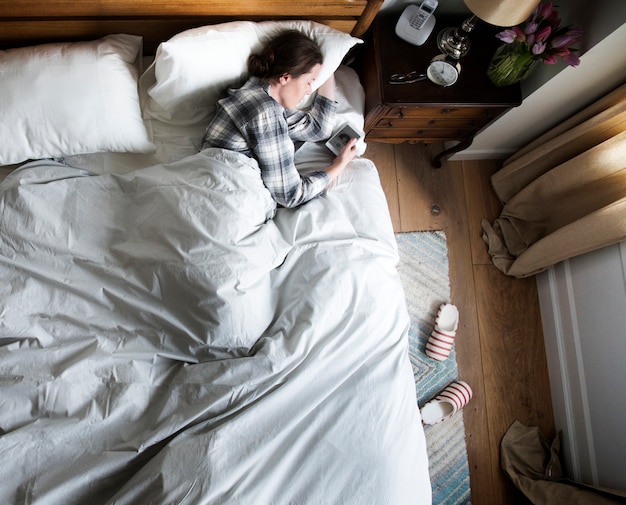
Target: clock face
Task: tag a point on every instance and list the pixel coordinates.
(442, 72)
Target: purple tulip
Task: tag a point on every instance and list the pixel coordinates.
(539, 47)
(531, 28)
(543, 34)
(567, 39)
(576, 34)
(568, 56)
(549, 59)
(571, 59)
(519, 33)
(554, 20)
(507, 36)
(546, 10)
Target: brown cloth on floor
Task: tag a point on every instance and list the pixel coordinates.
(533, 464)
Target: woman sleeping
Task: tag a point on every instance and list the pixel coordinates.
(260, 119)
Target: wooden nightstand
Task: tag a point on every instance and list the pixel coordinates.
(423, 111)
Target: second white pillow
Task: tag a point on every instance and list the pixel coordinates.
(71, 98)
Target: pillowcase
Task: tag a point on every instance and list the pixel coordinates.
(71, 98)
(192, 69)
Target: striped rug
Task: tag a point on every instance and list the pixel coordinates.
(423, 270)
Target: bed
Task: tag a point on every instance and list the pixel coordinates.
(168, 334)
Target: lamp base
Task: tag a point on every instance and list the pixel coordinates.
(455, 41)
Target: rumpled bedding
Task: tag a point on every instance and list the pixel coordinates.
(168, 335)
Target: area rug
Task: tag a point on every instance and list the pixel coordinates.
(424, 274)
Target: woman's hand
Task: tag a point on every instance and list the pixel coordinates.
(345, 156)
(348, 152)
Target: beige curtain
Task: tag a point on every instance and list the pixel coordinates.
(565, 193)
(532, 462)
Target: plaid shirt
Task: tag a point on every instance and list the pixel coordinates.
(251, 122)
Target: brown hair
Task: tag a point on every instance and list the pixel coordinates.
(289, 52)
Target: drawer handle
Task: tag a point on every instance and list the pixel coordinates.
(432, 121)
(401, 113)
(390, 124)
(446, 111)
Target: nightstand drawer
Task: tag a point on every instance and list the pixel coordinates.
(421, 134)
(443, 112)
(417, 123)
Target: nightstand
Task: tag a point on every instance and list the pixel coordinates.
(423, 111)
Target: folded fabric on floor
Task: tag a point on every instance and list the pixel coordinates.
(533, 464)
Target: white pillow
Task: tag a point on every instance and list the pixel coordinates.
(193, 68)
(71, 98)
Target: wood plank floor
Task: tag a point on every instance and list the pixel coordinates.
(499, 346)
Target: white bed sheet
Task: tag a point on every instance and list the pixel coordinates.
(168, 336)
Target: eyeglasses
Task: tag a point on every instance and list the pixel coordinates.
(409, 78)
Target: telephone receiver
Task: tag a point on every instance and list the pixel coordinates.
(417, 22)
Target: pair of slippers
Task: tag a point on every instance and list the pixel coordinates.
(457, 394)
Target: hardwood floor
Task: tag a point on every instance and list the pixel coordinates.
(499, 346)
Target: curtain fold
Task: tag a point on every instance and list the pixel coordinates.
(533, 464)
(564, 194)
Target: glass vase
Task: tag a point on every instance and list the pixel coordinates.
(510, 64)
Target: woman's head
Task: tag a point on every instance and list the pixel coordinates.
(289, 52)
(290, 62)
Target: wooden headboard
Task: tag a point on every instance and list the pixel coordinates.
(28, 22)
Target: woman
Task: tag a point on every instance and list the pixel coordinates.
(260, 119)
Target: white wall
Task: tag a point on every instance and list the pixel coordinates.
(583, 307)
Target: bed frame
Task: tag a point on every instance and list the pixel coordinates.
(28, 22)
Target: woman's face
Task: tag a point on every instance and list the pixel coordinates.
(289, 91)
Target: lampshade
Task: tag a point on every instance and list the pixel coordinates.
(502, 12)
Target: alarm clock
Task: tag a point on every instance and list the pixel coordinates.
(443, 70)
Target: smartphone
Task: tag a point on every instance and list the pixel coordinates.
(341, 138)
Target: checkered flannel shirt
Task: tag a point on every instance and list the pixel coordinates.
(251, 122)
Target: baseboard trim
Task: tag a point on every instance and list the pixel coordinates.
(478, 154)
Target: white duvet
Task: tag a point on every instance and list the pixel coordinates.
(168, 336)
